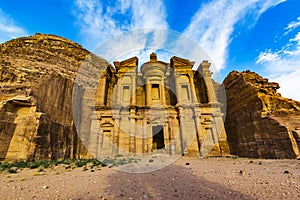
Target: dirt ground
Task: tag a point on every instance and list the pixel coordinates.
(187, 178)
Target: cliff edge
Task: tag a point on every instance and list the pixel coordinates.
(37, 75)
(260, 123)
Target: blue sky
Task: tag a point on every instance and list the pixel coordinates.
(260, 35)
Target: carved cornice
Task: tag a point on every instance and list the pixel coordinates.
(131, 62)
(181, 62)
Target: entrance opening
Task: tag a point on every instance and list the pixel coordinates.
(158, 137)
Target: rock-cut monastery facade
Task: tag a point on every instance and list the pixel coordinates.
(163, 107)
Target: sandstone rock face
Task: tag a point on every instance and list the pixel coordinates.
(259, 122)
(36, 82)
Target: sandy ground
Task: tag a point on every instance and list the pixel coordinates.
(187, 178)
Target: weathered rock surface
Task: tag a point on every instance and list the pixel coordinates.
(36, 82)
(37, 76)
(259, 122)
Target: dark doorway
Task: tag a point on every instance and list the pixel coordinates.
(158, 137)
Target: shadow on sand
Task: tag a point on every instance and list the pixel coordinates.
(172, 182)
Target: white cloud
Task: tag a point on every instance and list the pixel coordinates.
(265, 5)
(283, 67)
(213, 24)
(292, 25)
(8, 29)
(211, 27)
(267, 57)
(141, 42)
(100, 22)
(94, 24)
(296, 39)
(289, 84)
(148, 14)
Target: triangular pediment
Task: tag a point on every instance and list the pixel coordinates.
(130, 62)
(176, 61)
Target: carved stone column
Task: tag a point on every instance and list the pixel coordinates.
(144, 136)
(197, 116)
(118, 93)
(94, 140)
(100, 91)
(133, 91)
(100, 143)
(163, 92)
(177, 86)
(149, 138)
(171, 136)
(148, 93)
(182, 131)
(206, 73)
(132, 132)
(116, 136)
(192, 86)
(166, 136)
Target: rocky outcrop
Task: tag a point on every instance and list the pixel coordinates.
(259, 122)
(40, 74)
(37, 76)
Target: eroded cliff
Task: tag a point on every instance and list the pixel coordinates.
(260, 123)
(37, 81)
(37, 76)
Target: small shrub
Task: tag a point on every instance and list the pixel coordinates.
(110, 162)
(96, 162)
(45, 164)
(67, 162)
(56, 162)
(21, 164)
(5, 166)
(12, 170)
(33, 165)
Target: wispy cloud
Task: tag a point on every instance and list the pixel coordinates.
(292, 25)
(283, 66)
(213, 25)
(8, 28)
(265, 5)
(99, 22)
(267, 57)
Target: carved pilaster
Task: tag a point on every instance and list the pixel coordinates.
(197, 116)
(148, 145)
(192, 87)
(182, 130)
(132, 131)
(100, 92)
(206, 73)
(177, 87)
(116, 136)
(94, 136)
(148, 94)
(118, 97)
(133, 90)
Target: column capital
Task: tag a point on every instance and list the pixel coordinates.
(191, 74)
